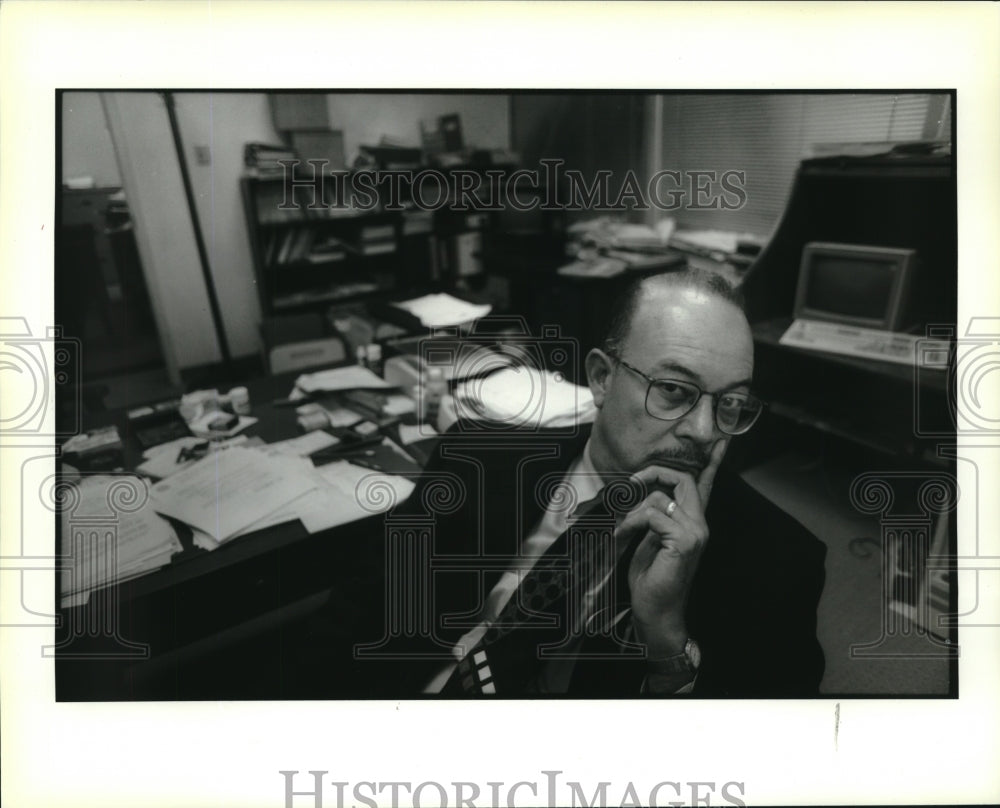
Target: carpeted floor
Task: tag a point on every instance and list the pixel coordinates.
(851, 613)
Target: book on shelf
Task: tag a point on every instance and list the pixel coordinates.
(377, 239)
(338, 292)
(378, 247)
(377, 232)
(286, 247)
(268, 201)
(270, 249)
(265, 156)
(417, 222)
(326, 257)
(301, 244)
(329, 250)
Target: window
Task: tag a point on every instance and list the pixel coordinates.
(767, 135)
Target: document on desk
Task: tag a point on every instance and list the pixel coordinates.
(512, 396)
(227, 491)
(303, 445)
(411, 434)
(287, 513)
(350, 493)
(166, 459)
(201, 426)
(439, 310)
(350, 377)
(129, 542)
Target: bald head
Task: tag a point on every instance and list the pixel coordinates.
(658, 287)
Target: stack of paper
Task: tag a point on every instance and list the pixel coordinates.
(202, 425)
(439, 310)
(227, 491)
(525, 397)
(106, 542)
(346, 492)
(165, 459)
(350, 377)
(303, 445)
(239, 491)
(712, 242)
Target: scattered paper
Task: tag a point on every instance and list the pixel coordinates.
(350, 377)
(350, 493)
(200, 425)
(227, 491)
(288, 513)
(171, 446)
(597, 268)
(108, 544)
(162, 461)
(411, 434)
(344, 493)
(340, 416)
(438, 310)
(304, 445)
(722, 241)
(398, 404)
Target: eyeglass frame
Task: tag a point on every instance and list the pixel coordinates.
(701, 393)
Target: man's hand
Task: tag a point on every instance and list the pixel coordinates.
(666, 558)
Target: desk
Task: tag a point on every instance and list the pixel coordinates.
(235, 622)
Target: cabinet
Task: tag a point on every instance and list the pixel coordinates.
(895, 200)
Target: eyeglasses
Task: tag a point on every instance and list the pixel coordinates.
(670, 399)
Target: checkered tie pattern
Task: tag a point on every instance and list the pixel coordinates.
(507, 657)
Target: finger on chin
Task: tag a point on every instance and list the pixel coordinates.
(707, 476)
(679, 485)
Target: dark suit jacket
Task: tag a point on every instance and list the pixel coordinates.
(753, 603)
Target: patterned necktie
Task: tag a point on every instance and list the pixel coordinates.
(544, 616)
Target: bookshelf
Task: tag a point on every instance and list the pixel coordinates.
(312, 255)
(326, 251)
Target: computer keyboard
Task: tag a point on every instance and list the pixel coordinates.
(866, 343)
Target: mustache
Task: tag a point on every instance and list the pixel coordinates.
(689, 455)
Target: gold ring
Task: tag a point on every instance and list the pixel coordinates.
(671, 508)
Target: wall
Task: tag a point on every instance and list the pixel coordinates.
(86, 141)
(151, 176)
(590, 133)
(365, 117)
(222, 123)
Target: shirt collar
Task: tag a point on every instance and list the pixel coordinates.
(583, 477)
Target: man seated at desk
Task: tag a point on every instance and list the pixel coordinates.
(702, 585)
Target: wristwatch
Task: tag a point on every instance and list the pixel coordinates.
(687, 661)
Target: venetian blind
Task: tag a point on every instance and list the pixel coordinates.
(767, 135)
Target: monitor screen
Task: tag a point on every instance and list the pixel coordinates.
(855, 288)
(854, 284)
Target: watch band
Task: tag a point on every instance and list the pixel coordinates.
(687, 661)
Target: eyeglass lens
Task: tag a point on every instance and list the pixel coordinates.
(734, 412)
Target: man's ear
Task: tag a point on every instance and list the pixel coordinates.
(599, 369)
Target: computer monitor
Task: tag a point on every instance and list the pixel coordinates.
(855, 284)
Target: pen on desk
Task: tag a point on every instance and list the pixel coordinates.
(419, 455)
(294, 402)
(194, 452)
